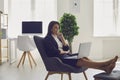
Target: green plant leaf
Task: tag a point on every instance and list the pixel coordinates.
(69, 26)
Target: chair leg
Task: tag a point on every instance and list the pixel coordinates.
(20, 60)
(47, 76)
(50, 73)
(61, 76)
(32, 58)
(29, 60)
(69, 74)
(85, 75)
(24, 58)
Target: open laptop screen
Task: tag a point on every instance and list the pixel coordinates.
(84, 49)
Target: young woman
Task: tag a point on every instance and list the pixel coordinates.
(56, 46)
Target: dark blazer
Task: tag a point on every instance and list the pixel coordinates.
(52, 47)
(52, 50)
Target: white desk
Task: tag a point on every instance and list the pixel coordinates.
(12, 49)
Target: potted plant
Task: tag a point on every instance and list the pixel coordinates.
(69, 27)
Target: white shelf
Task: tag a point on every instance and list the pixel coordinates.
(4, 31)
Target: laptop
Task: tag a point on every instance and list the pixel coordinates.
(83, 51)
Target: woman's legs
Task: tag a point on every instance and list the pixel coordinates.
(106, 66)
(105, 62)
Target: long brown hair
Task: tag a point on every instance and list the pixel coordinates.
(50, 26)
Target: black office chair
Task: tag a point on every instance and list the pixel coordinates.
(54, 64)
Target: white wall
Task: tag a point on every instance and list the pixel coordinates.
(2, 5)
(101, 47)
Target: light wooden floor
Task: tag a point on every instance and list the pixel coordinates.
(11, 72)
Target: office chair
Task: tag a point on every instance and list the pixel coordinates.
(25, 44)
(54, 64)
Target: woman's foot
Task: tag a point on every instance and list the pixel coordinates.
(111, 61)
(115, 59)
(108, 69)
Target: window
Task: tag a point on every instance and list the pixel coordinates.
(30, 10)
(106, 18)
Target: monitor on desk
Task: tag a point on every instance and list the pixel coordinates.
(31, 27)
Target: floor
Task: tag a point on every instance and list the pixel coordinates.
(11, 72)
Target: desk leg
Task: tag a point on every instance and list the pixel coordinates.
(12, 50)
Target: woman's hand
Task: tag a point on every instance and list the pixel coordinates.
(60, 36)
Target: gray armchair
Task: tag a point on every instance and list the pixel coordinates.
(54, 64)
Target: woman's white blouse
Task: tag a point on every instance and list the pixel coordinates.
(59, 43)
